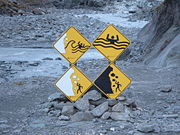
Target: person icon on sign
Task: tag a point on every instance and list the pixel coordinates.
(79, 88)
(118, 85)
(112, 40)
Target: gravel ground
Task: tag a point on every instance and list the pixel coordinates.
(152, 100)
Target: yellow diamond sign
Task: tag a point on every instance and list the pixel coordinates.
(112, 82)
(72, 45)
(73, 83)
(111, 43)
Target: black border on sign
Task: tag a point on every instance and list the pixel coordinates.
(73, 66)
(71, 27)
(120, 33)
(121, 72)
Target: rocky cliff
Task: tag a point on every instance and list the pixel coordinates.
(162, 35)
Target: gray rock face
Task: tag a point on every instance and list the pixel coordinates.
(119, 116)
(82, 104)
(161, 35)
(99, 110)
(68, 110)
(82, 116)
(93, 95)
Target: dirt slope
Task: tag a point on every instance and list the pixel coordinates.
(162, 34)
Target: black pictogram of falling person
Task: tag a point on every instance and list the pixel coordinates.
(79, 88)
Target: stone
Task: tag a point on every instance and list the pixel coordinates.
(68, 110)
(166, 89)
(59, 106)
(112, 102)
(57, 97)
(82, 104)
(58, 58)
(98, 102)
(82, 116)
(99, 110)
(47, 58)
(4, 126)
(119, 116)
(146, 128)
(106, 116)
(54, 113)
(122, 98)
(118, 107)
(37, 11)
(34, 64)
(170, 116)
(92, 95)
(64, 118)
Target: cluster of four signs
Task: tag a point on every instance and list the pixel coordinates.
(72, 45)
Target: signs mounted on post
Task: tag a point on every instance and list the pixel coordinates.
(72, 45)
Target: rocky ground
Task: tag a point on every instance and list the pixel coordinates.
(30, 103)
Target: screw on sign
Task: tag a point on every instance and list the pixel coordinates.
(72, 45)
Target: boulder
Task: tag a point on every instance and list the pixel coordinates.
(99, 110)
(82, 104)
(68, 110)
(82, 116)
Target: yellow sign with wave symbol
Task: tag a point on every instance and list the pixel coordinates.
(111, 43)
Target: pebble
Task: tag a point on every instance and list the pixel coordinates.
(63, 117)
(47, 58)
(166, 89)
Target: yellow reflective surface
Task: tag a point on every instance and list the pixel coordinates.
(111, 43)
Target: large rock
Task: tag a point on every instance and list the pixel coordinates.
(118, 107)
(68, 110)
(92, 95)
(99, 110)
(82, 116)
(82, 104)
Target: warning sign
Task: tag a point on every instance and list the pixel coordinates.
(73, 83)
(72, 45)
(111, 43)
(112, 82)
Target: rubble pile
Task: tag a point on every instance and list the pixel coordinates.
(91, 106)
